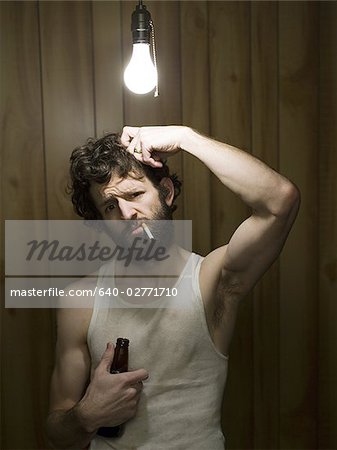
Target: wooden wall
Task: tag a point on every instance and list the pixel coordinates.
(258, 75)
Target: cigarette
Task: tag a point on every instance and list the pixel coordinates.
(147, 231)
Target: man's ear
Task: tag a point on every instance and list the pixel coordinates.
(168, 185)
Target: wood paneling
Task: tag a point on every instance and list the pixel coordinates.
(26, 335)
(107, 42)
(298, 134)
(230, 106)
(195, 113)
(328, 229)
(230, 121)
(264, 97)
(67, 78)
(21, 126)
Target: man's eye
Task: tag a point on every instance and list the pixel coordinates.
(110, 207)
(136, 194)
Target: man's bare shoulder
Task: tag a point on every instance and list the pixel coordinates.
(75, 308)
(79, 293)
(85, 282)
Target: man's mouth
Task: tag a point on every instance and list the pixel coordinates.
(141, 228)
(136, 228)
(136, 231)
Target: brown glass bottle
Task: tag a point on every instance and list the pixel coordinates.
(119, 364)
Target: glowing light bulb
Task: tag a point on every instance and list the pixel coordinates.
(140, 75)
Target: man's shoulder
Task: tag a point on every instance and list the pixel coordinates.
(79, 293)
(75, 310)
(86, 282)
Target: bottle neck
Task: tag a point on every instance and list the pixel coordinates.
(121, 356)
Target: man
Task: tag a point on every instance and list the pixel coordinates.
(173, 399)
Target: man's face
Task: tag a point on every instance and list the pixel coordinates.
(131, 199)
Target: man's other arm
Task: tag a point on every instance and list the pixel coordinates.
(78, 408)
(66, 426)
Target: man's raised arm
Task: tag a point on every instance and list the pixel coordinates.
(273, 199)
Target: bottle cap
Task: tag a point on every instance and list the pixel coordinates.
(122, 342)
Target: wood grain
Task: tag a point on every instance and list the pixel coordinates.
(22, 134)
(230, 112)
(264, 60)
(195, 113)
(327, 413)
(26, 335)
(108, 73)
(298, 127)
(67, 77)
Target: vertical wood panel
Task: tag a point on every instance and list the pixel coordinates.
(108, 73)
(229, 58)
(298, 23)
(26, 355)
(264, 61)
(67, 74)
(230, 109)
(328, 228)
(195, 113)
(141, 110)
(21, 126)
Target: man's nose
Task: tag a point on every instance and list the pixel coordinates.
(126, 209)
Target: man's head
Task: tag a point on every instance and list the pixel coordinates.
(107, 182)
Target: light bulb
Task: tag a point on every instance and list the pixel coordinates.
(140, 75)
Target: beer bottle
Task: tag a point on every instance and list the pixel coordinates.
(119, 365)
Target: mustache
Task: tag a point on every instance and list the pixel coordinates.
(131, 225)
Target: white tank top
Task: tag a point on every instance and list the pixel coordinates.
(180, 405)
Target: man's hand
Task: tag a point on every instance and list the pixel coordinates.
(150, 144)
(110, 399)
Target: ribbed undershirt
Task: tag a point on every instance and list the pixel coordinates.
(180, 404)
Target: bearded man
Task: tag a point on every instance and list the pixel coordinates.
(172, 397)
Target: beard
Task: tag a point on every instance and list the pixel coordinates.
(159, 223)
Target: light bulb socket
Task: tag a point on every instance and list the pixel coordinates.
(140, 25)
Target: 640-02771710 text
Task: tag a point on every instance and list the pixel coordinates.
(110, 292)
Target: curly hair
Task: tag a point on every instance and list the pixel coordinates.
(100, 159)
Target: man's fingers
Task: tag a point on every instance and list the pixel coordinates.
(128, 134)
(107, 357)
(150, 159)
(131, 139)
(135, 147)
(136, 376)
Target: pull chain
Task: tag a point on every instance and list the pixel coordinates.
(153, 46)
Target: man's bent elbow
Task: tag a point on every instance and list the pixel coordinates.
(290, 199)
(60, 436)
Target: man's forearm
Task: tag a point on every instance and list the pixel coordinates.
(259, 186)
(66, 430)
